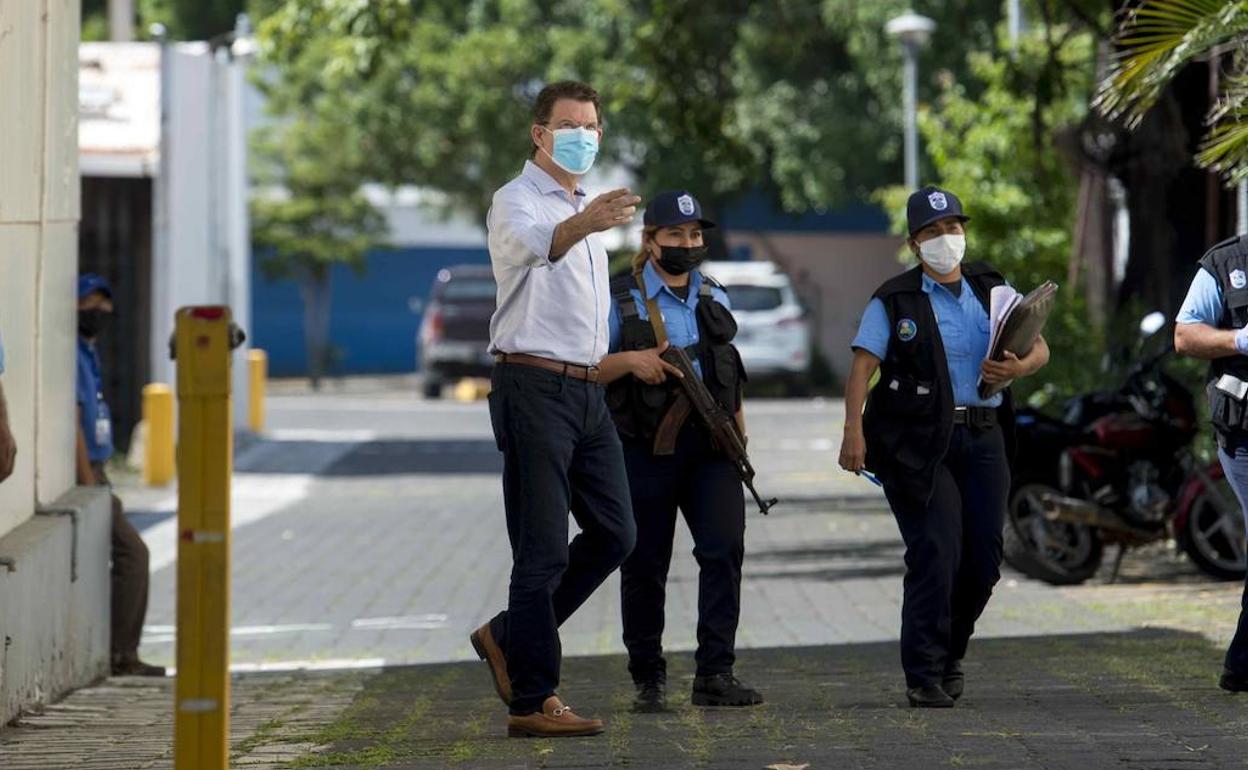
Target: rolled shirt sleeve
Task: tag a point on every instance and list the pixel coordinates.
(873, 330)
(517, 238)
(1203, 304)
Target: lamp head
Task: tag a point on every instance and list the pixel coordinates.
(911, 29)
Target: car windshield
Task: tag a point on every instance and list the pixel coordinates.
(469, 290)
(744, 296)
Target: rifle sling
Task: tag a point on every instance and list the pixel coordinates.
(652, 310)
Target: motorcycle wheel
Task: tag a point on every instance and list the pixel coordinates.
(1058, 553)
(1214, 539)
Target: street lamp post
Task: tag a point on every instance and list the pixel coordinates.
(912, 31)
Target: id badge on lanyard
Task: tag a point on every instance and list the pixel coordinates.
(103, 422)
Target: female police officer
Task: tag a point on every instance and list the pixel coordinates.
(670, 459)
(937, 447)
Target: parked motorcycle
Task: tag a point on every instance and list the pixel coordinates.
(1118, 468)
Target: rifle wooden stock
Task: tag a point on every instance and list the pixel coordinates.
(722, 425)
(670, 425)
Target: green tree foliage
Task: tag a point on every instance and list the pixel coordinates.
(191, 19)
(721, 97)
(998, 151)
(308, 213)
(183, 19)
(1160, 38)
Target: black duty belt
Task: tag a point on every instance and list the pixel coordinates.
(977, 417)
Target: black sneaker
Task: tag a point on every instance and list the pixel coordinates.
(651, 697)
(929, 697)
(954, 681)
(723, 690)
(1232, 682)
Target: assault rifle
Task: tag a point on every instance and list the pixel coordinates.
(722, 426)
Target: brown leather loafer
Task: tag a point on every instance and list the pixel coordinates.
(489, 651)
(555, 720)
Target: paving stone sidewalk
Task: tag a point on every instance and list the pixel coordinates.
(1129, 701)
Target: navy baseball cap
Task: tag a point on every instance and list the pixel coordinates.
(674, 207)
(931, 204)
(92, 282)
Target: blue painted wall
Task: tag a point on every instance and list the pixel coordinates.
(371, 322)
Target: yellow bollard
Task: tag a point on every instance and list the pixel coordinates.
(258, 375)
(205, 458)
(158, 440)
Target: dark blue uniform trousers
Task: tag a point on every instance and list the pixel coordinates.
(1235, 464)
(561, 453)
(706, 489)
(953, 552)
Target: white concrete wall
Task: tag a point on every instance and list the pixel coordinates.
(39, 200)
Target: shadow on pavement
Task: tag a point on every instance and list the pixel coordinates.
(1146, 698)
(375, 458)
(830, 561)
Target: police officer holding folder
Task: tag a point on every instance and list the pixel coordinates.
(1212, 324)
(937, 447)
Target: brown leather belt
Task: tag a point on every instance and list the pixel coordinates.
(575, 371)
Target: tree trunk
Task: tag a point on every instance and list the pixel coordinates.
(315, 290)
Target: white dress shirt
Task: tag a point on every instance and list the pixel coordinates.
(553, 309)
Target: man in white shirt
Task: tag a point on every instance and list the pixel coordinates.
(560, 447)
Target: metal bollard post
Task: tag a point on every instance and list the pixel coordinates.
(202, 695)
(258, 375)
(158, 447)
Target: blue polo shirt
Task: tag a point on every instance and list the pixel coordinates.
(97, 424)
(1203, 304)
(964, 330)
(679, 315)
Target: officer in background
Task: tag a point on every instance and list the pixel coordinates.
(8, 447)
(693, 313)
(129, 554)
(939, 450)
(1212, 324)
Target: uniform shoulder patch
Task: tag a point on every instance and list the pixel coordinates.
(1238, 279)
(907, 329)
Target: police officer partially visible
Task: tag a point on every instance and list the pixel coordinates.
(938, 448)
(667, 300)
(1212, 324)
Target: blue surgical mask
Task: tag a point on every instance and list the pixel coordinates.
(575, 149)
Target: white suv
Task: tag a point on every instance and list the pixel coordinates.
(773, 333)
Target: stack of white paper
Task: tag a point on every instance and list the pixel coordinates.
(1001, 303)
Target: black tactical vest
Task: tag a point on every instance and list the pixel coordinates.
(1228, 263)
(638, 408)
(909, 413)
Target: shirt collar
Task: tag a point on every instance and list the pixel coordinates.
(545, 183)
(655, 283)
(930, 284)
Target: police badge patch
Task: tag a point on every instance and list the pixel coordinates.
(906, 329)
(938, 201)
(685, 204)
(1238, 279)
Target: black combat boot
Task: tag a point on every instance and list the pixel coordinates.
(651, 696)
(954, 681)
(723, 690)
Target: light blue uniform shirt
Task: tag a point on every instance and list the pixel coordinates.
(553, 309)
(97, 422)
(1203, 304)
(679, 315)
(964, 330)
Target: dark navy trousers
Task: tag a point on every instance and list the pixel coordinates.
(561, 453)
(1235, 464)
(953, 552)
(706, 489)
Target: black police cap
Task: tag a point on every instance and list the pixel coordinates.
(674, 207)
(931, 204)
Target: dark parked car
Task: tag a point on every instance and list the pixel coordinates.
(455, 332)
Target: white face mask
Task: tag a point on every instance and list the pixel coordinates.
(944, 253)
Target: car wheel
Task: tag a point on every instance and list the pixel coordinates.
(432, 389)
